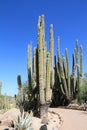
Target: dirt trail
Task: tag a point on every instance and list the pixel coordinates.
(72, 119)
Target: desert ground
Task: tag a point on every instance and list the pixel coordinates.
(58, 119)
(72, 119)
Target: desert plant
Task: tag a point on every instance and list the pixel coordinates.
(23, 122)
(0, 87)
(82, 95)
(50, 81)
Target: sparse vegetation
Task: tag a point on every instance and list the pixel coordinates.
(82, 95)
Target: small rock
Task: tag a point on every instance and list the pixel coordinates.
(43, 127)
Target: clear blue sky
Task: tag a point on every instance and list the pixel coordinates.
(18, 26)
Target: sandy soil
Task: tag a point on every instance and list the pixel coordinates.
(66, 118)
(72, 119)
(54, 120)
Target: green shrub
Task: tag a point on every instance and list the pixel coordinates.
(82, 95)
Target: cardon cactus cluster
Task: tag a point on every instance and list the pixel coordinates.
(49, 78)
(68, 85)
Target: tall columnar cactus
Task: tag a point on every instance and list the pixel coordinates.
(58, 48)
(42, 75)
(61, 71)
(44, 65)
(78, 76)
(20, 88)
(51, 45)
(64, 66)
(34, 63)
(29, 64)
(19, 84)
(34, 73)
(81, 61)
(76, 51)
(48, 91)
(51, 55)
(73, 62)
(44, 83)
(0, 87)
(44, 50)
(40, 62)
(68, 73)
(77, 63)
(61, 86)
(72, 77)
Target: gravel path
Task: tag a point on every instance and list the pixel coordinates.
(72, 119)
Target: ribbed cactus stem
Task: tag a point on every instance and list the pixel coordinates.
(73, 62)
(63, 78)
(48, 98)
(19, 82)
(39, 23)
(73, 77)
(68, 72)
(51, 54)
(44, 64)
(64, 66)
(40, 62)
(44, 50)
(29, 62)
(51, 45)
(34, 70)
(20, 87)
(58, 47)
(43, 27)
(61, 87)
(81, 61)
(34, 64)
(78, 76)
(61, 71)
(76, 51)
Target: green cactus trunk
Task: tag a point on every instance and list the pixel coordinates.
(40, 62)
(76, 54)
(48, 79)
(81, 65)
(73, 78)
(61, 71)
(51, 55)
(68, 74)
(29, 69)
(20, 88)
